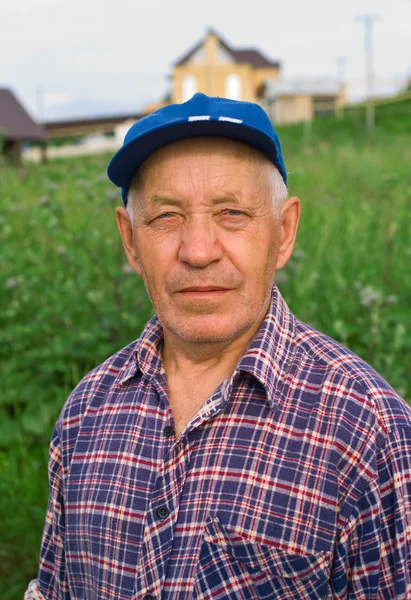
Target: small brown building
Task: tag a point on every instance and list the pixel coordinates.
(16, 126)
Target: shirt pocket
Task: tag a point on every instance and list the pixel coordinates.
(236, 568)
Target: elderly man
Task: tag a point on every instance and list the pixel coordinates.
(231, 451)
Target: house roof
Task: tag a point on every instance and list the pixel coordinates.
(15, 123)
(302, 86)
(251, 56)
(70, 123)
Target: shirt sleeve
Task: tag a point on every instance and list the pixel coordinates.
(373, 556)
(51, 583)
(33, 592)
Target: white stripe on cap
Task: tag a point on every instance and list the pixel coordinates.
(200, 118)
(230, 119)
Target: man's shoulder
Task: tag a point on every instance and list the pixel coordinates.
(343, 374)
(97, 382)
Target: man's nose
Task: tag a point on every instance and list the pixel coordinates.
(200, 245)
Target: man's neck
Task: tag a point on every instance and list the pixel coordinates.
(195, 371)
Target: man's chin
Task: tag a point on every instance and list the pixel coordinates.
(198, 305)
(204, 330)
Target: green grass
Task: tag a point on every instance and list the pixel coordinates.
(354, 280)
(23, 497)
(69, 300)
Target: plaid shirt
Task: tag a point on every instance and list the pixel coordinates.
(292, 481)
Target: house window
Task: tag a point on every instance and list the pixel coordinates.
(233, 87)
(323, 106)
(189, 87)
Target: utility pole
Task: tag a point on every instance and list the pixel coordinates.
(368, 21)
(341, 64)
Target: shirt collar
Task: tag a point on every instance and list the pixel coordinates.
(269, 355)
(146, 355)
(267, 358)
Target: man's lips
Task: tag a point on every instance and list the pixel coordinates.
(205, 290)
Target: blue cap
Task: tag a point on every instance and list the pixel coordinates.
(199, 116)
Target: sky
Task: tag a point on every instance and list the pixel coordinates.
(74, 58)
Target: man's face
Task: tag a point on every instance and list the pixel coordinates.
(206, 236)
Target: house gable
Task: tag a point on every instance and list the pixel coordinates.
(15, 123)
(223, 55)
(226, 54)
(214, 67)
(199, 56)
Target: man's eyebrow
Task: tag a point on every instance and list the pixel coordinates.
(227, 197)
(160, 200)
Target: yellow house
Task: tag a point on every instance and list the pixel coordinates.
(216, 69)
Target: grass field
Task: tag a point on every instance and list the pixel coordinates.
(69, 300)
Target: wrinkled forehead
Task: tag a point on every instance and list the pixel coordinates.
(202, 154)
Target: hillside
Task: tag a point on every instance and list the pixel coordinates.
(392, 115)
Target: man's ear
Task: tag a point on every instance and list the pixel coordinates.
(125, 228)
(289, 219)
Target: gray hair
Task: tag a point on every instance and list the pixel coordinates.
(130, 203)
(278, 190)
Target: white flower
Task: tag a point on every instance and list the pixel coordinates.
(369, 295)
(126, 268)
(11, 283)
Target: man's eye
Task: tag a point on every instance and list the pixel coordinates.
(232, 212)
(165, 215)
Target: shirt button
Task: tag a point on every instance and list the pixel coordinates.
(168, 431)
(149, 597)
(163, 512)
